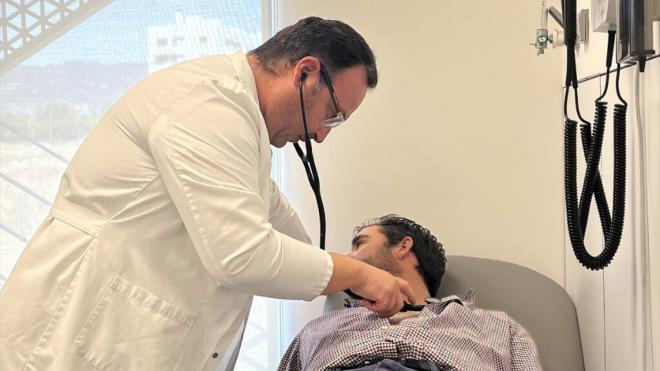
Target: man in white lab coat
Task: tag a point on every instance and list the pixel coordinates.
(167, 221)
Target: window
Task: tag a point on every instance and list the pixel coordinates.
(178, 41)
(161, 59)
(51, 100)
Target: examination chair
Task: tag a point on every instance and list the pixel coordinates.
(533, 300)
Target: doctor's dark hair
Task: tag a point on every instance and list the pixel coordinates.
(336, 44)
(429, 252)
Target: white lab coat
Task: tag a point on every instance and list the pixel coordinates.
(165, 224)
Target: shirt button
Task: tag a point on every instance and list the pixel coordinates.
(384, 327)
(215, 355)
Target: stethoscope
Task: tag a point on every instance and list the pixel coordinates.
(307, 159)
(310, 166)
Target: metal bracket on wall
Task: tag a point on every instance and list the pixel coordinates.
(556, 37)
(29, 26)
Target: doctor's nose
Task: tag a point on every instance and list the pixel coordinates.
(321, 134)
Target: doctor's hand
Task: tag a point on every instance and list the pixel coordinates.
(382, 292)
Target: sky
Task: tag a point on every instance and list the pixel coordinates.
(111, 35)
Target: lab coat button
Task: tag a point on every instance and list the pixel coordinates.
(215, 355)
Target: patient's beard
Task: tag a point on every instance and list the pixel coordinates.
(384, 260)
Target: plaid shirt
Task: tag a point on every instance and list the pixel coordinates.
(446, 332)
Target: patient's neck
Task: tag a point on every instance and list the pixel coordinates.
(418, 285)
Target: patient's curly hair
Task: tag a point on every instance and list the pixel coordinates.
(429, 252)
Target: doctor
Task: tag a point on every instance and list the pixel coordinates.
(167, 221)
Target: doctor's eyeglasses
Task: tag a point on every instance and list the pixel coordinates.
(338, 118)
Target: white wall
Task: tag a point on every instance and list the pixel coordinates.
(462, 134)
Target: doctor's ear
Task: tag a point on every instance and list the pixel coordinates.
(307, 67)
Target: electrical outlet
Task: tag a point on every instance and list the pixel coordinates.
(603, 15)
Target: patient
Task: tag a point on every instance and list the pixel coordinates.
(446, 334)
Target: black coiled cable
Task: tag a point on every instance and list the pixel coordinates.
(593, 183)
(586, 135)
(599, 191)
(592, 139)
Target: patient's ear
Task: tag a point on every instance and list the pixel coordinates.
(404, 248)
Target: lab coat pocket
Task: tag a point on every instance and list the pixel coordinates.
(132, 329)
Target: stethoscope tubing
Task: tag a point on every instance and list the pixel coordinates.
(309, 164)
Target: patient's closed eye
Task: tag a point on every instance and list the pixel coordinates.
(357, 243)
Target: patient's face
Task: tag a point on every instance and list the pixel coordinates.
(370, 246)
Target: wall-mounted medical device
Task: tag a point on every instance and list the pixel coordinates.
(635, 30)
(631, 19)
(604, 15)
(628, 24)
(555, 37)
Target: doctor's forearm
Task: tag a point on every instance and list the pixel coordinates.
(346, 273)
